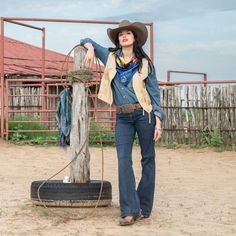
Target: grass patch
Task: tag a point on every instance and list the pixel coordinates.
(171, 145)
(209, 138)
(97, 134)
(27, 124)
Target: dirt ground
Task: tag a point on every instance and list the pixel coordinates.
(195, 194)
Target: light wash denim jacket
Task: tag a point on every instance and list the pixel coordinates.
(125, 94)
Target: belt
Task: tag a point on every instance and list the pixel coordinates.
(128, 108)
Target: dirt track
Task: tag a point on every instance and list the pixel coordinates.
(195, 194)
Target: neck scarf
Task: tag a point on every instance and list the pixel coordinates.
(125, 71)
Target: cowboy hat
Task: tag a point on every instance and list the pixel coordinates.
(136, 27)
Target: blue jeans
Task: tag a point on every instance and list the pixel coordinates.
(135, 202)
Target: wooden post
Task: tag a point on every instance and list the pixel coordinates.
(80, 168)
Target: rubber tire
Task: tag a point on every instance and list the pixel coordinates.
(56, 190)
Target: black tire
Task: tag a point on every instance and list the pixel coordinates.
(57, 193)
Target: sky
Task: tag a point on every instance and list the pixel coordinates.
(189, 35)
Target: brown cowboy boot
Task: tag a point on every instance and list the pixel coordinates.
(127, 220)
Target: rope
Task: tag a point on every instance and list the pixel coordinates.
(66, 61)
(77, 153)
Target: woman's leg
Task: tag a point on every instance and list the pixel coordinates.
(146, 185)
(125, 133)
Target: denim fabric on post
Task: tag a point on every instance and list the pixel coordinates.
(135, 201)
(63, 116)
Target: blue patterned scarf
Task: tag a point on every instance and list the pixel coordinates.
(126, 71)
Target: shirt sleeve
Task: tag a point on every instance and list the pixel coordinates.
(154, 93)
(100, 51)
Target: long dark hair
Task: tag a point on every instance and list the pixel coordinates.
(138, 51)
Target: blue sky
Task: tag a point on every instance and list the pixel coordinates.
(189, 35)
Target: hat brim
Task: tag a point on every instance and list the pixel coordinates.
(137, 27)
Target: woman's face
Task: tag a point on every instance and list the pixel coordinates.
(126, 38)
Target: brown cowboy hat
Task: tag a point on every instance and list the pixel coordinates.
(137, 27)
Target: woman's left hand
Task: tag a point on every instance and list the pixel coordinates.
(158, 129)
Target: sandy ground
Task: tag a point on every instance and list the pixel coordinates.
(195, 194)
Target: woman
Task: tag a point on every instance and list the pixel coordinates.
(129, 81)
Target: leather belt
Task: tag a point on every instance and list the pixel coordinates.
(128, 108)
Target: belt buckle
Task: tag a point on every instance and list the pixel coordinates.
(127, 108)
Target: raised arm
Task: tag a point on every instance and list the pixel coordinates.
(94, 49)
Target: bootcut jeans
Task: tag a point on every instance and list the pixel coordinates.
(135, 201)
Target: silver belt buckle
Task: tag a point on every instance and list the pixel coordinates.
(127, 108)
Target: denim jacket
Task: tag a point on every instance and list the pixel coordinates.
(123, 95)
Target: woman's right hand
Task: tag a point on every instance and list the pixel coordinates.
(89, 56)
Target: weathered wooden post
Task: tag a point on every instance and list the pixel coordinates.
(80, 168)
(79, 191)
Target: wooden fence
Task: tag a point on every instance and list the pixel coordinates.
(192, 111)
(195, 111)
